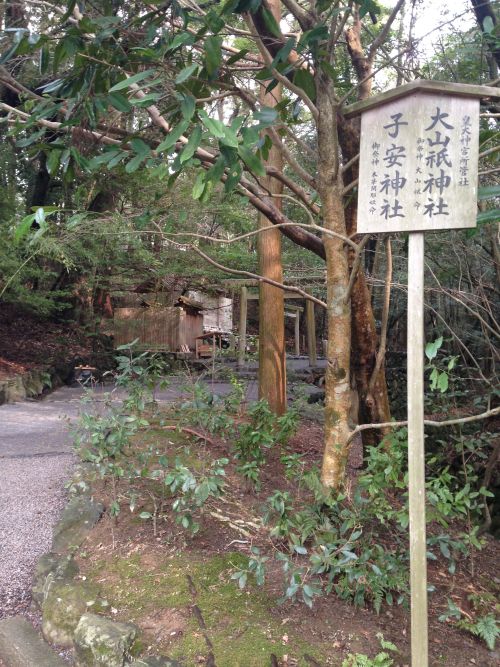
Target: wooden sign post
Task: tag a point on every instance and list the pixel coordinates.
(418, 172)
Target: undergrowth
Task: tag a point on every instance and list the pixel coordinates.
(352, 544)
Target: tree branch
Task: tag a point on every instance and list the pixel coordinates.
(427, 422)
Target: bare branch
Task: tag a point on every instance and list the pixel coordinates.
(427, 422)
(379, 40)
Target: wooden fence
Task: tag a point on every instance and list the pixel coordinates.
(166, 329)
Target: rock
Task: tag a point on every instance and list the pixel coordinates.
(35, 382)
(14, 390)
(102, 642)
(22, 646)
(60, 566)
(155, 662)
(64, 604)
(79, 516)
(82, 474)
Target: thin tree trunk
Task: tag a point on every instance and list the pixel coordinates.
(338, 387)
(272, 362)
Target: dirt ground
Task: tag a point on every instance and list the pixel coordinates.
(179, 590)
(28, 343)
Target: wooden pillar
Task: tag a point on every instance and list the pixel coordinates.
(416, 451)
(243, 326)
(311, 333)
(272, 360)
(297, 333)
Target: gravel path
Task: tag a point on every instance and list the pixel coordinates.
(35, 462)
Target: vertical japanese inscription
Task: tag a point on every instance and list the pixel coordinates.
(421, 166)
(393, 181)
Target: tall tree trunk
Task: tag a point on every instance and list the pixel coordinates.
(373, 403)
(272, 362)
(338, 387)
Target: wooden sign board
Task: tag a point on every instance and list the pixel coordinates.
(418, 172)
(418, 164)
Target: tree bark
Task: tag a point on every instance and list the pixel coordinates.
(338, 388)
(272, 362)
(373, 403)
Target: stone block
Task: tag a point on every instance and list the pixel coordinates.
(57, 565)
(64, 604)
(22, 646)
(101, 642)
(78, 518)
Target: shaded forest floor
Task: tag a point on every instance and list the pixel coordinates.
(30, 343)
(178, 588)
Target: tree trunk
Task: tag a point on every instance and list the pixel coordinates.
(338, 388)
(373, 406)
(272, 362)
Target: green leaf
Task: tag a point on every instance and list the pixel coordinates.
(185, 73)
(237, 56)
(431, 349)
(488, 192)
(146, 100)
(119, 102)
(7, 55)
(270, 22)
(53, 161)
(488, 25)
(31, 139)
(214, 126)
(52, 87)
(493, 215)
(251, 160)
(230, 138)
(180, 39)
(199, 185)
(44, 59)
(59, 54)
(188, 106)
(487, 628)
(75, 220)
(266, 116)
(117, 159)
(368, 6)
(174, 136)
(23, 228)
(134, 164)
(191, 146)
(140, 147)
(284, 52)
(213, 54)
(305, 80)
(126, 83)
(442, 382)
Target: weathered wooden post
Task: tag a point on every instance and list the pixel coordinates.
(311, 333)
(243, 326)
(297, 332)
(418, 172)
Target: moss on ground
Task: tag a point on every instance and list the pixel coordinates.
(240, 624)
